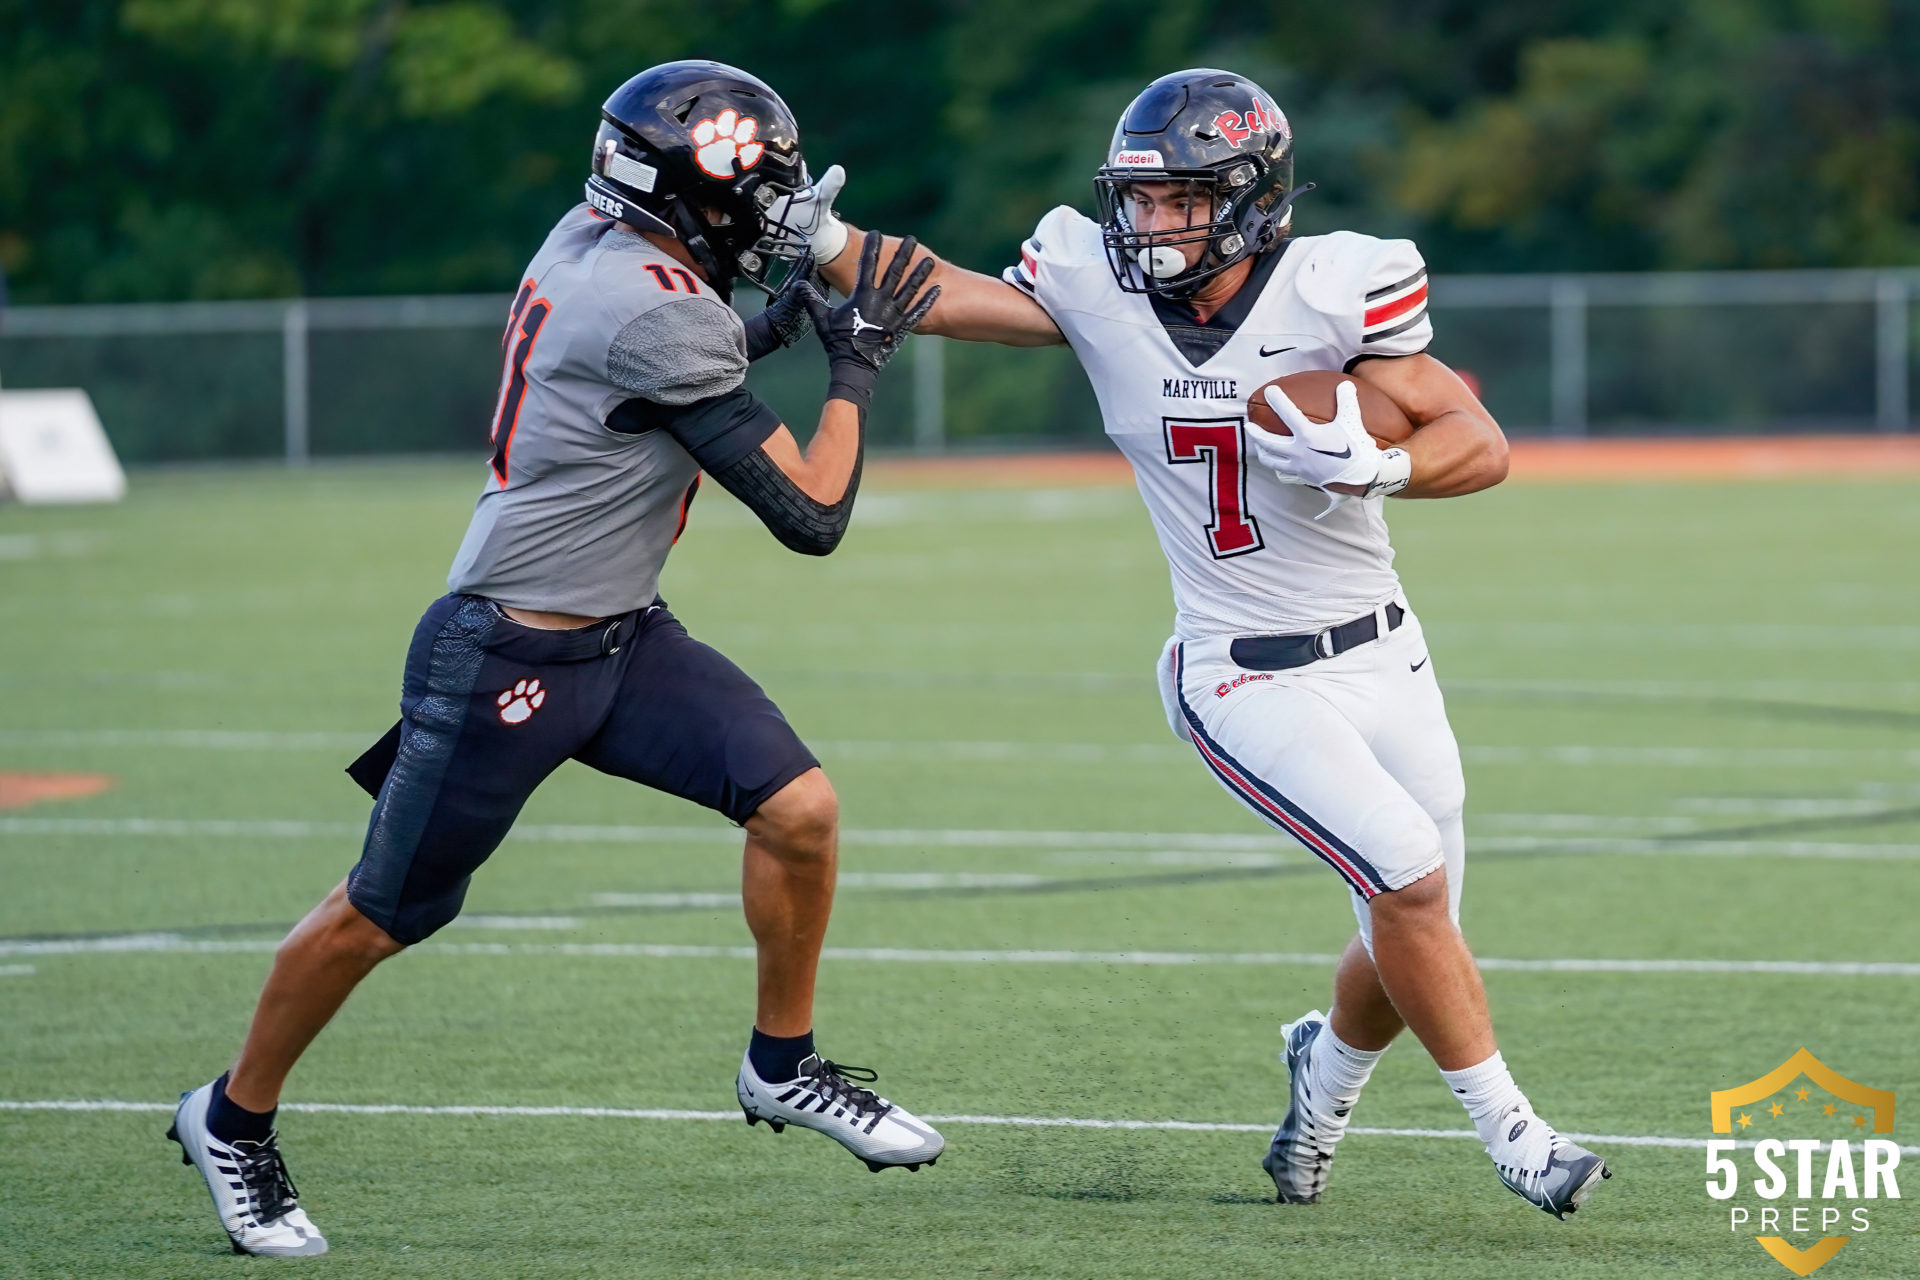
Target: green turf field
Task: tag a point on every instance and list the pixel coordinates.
(1690, 721)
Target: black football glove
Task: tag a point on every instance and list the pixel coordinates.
(787, 317)
(862, 333)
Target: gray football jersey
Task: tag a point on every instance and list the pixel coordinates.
(576, 517)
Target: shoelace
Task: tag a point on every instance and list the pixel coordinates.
(834, 1083)
(263, 1172)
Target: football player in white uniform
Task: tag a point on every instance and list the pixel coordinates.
(1296, 669)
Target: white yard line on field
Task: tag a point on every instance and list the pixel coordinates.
(517, 922)
(16, 971)
(1172, 845)
(1568, 755)
(166, 943)
(904, 880)
(187, 739)
(1702, 848)
(1022, 1122)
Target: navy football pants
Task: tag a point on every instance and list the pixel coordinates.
(489, 708)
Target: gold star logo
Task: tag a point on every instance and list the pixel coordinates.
(1859, 1122)
(1802, 1094)
(1746, 1121)
(1775, 1110)
(1828, 1110)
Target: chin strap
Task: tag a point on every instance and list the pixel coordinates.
(690, 230)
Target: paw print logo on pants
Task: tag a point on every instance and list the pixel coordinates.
(725, 138)
(521, 701)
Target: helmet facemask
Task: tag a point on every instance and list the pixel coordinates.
(769, 261)
(1156, 261)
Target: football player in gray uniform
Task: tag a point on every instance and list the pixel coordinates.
(622, 383)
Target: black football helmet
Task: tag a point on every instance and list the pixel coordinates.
(1219, 133)
(697, 150)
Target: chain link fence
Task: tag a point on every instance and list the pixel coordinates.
(1675, 353)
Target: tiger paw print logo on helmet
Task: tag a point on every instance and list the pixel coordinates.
(725, 138)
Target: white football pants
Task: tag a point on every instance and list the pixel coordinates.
(1351, 756)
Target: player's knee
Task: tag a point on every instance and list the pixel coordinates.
(802, 820)
(1424, 899)
(1400, 840)
(338, 930)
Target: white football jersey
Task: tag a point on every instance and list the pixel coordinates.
(1247, 555)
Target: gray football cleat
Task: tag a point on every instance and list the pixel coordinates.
(1562, 1185)
(828, 1097)
(1301, 1153)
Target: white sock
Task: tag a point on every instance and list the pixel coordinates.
(1489, 1094)
(1338, 1071)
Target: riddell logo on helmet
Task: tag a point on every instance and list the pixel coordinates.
(1226, 687)
(1237, 129)
(1138, 160)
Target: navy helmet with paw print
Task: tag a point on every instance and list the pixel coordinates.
(1221, 135)
(698, 150)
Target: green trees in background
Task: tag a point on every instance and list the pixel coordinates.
(228, 148)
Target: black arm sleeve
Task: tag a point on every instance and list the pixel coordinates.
(724, 434)
(801, 523)
(718, 431)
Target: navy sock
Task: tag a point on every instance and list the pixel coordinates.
(778, 1058)
(231, 1122)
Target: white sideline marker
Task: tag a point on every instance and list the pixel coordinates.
(173, 943)
(52, 449)
(1020, 1122)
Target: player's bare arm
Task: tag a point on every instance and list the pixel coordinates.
(972, 307)
(1456, 446)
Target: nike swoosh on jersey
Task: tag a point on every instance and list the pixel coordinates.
(1277, 351)
(1417, 665)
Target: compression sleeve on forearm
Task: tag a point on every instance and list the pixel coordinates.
(724, 434)
(801, 523)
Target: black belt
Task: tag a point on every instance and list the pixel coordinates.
(1277, 653)
(536, 645)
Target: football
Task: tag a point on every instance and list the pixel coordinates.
(1313, 392)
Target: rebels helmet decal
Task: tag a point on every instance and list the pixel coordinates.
(725, 138)
(1260, 116)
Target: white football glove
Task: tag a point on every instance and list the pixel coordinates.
(1319, 454)
(809, 213)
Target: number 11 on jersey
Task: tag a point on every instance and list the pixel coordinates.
(1217, 443)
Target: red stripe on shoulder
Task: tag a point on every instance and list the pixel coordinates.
(1398, 307)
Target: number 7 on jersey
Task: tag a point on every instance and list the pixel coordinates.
(1217, 443)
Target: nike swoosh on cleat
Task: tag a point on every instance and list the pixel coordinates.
(1277, 351)
(1344, 453)
(1423, 662)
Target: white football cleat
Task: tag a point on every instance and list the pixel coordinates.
(1301, 1153)
(1541, 1167)
(251, 1191)
(824, 1096)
